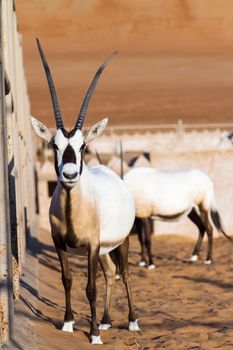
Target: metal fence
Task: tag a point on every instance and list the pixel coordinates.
(17, 202)
(179, 127)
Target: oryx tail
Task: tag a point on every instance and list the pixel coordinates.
(218, 222)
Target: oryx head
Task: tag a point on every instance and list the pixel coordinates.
(69, 146)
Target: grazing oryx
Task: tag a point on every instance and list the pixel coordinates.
(169, 195)
(90, 208)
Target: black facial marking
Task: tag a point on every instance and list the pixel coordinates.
(69, 155)
(82, 151)
(56, 167)
(56, 164)
(83, 147)
(55, 148)
(68, 134)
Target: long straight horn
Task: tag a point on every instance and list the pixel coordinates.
(90, 91)
(56, 108)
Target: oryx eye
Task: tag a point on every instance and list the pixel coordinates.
(55, 147)
(82, 148)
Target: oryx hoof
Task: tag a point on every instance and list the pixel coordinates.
(95, 339)
(68, 326)
(133, 326)
(193, 258)
(208, 262)
(104, 326)
(141, 263)
(151, 267)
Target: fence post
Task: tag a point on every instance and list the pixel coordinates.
(16, 216)
(6, 294)
(179, 129)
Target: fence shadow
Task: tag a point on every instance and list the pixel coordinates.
(207, 280)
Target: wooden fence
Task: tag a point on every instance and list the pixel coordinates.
(17, 202)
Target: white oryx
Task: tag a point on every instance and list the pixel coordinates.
(169, 195)
(90, 208)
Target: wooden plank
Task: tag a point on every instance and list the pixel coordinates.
(6, 293)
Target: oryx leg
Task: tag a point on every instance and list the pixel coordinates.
(209, 230)
(141, 237)
(196, 219)
(93, 253)
(123, 251)
(147, 232)
(109, 270)
(67, 283)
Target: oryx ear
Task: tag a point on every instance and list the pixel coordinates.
(96, 130)
(41, 130)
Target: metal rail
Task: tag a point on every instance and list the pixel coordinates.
(133, 128)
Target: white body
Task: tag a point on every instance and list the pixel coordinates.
(109, 196)
(167, 195)
(115, 206)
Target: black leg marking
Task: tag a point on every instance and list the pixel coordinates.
(91, 287)
(141, 237)
(209, 230)
(196, 219)
(147, 233)
(66, 280)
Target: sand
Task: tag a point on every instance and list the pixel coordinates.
(179, 305)
(174, 59)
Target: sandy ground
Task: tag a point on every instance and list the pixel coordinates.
(180, 306)
(174, 61)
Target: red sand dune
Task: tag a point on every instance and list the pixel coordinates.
(174, 61)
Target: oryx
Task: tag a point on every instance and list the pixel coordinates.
(90, 208)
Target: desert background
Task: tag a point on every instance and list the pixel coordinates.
(174, 58)
(175, 61)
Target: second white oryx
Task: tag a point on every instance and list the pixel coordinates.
(169, 195)
(90, 208)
